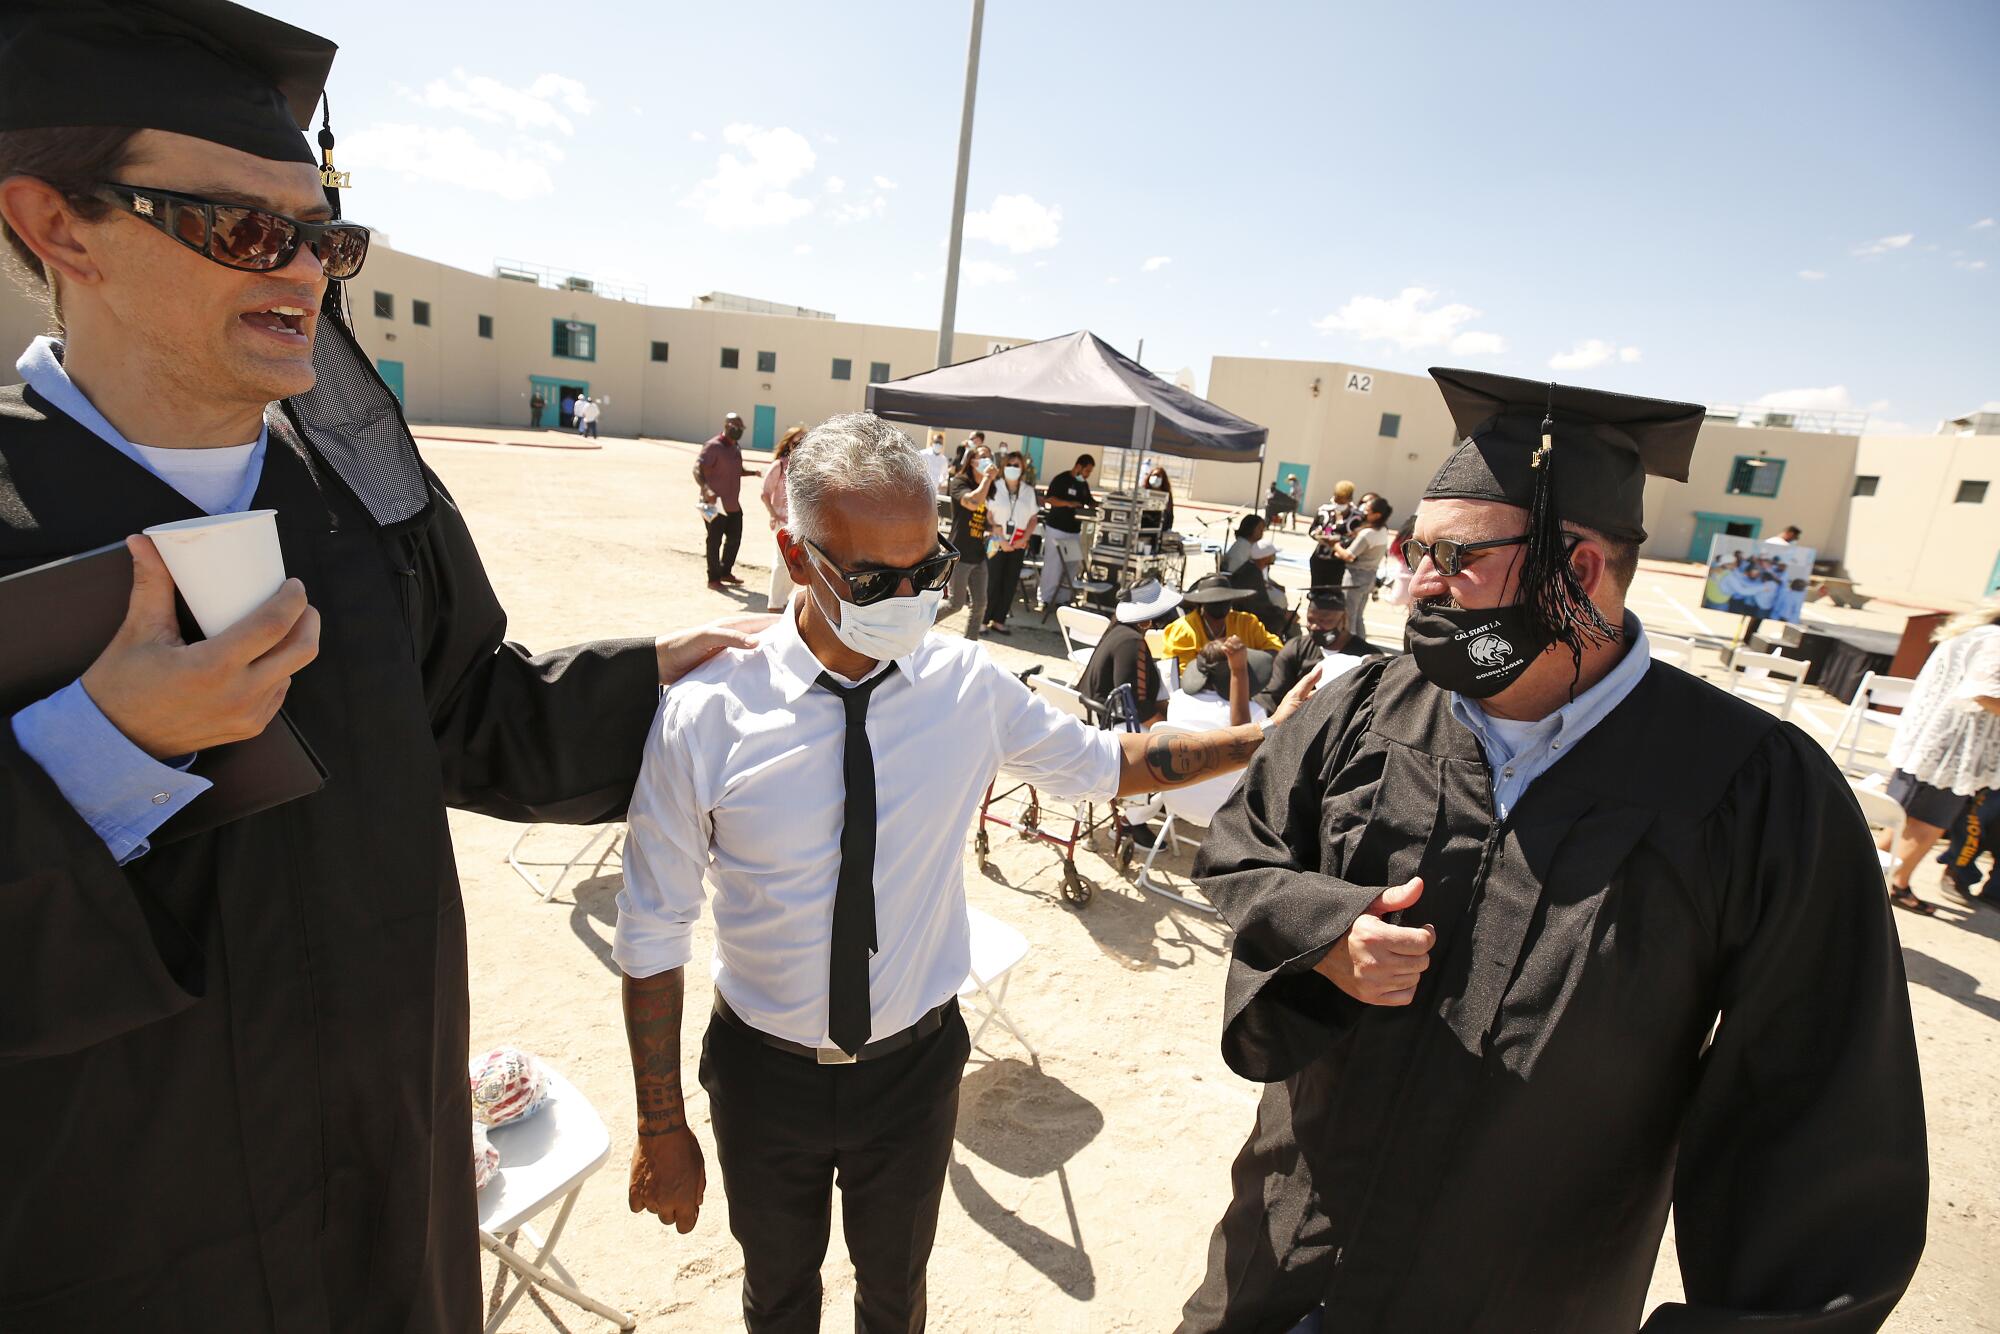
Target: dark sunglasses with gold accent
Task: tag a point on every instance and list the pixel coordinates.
(238, 236)
(1447, 555)
(880, 584)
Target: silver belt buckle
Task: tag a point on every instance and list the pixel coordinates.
(833, 1056)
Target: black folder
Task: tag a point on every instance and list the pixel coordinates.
(54, 621)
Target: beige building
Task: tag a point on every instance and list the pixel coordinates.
(1926, 515)
(1388, 432)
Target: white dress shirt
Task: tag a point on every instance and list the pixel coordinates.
(742, 789)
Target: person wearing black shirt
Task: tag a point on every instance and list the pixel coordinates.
(1067, 498)
(1157, 480)
(970, 484)
(1325, 638)
(1123, 657)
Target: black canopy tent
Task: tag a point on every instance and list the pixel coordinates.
(1077, 388)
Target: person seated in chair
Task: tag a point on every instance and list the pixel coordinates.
(1217, 686)
(1267, 596)
(1215, 611)
(1123, 657)
(1326, 643)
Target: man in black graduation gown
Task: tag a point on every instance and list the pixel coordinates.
(1492, 898)
(233, 1065)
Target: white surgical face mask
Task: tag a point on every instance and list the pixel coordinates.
(885, 630)
(986, 465)
(1012, 474)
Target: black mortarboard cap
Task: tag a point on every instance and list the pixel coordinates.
(205, 68)
(1603, 445)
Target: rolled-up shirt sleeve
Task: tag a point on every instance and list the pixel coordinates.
(1055, 752)
(666, 853)
(120, 791)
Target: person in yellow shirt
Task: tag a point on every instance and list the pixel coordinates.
(1209, 616)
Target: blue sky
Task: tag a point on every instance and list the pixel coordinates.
(1781, 202)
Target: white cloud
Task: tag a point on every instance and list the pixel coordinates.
(802, 249)
(697, 137)
(1969, 264)
(1982, 224)
(450, 155)
(1156, 263)
(884, 183)
(540, 106)
(1884, 244)
(1275, 310)
(753, 190)
(861, 210)
(1263, 342)
(1018, 222)
(1411, 321)
(1592, 352)
(834, 185)
(1112, 281)
(1833, 398)
(984, 273)
(1812, 275)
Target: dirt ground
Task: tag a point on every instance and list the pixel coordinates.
(1083, 1186)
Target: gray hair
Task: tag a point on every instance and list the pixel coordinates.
(854, 452)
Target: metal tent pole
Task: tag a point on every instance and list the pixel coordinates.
(949, 318)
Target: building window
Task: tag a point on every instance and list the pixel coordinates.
(767, 362)
(729, 358)
(1757, 476)
(1865, 486)
(659, 351)
(385, 306)
(420, 312)
(485, 326)
(878, 372)
(843, 369)
(1971, 493)
(1392, 422)
(575, 340)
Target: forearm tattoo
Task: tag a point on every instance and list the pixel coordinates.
(1176, 760)
(653, 1033)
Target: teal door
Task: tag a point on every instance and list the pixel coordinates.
(1031, 446)
(554, 393)
(392, 375)
(1287, 471)
(1708, 527)
(764, 427)
(1993, 584)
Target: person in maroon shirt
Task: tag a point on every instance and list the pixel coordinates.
(719, 471)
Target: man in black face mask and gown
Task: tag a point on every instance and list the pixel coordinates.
(1536, 938)
(1326, 637)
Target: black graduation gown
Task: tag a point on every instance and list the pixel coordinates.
(1500, 1155)
(232, 1073)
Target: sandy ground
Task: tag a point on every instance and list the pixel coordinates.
(1083, 1187)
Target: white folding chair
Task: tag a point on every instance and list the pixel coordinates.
(606, 836)
(1064, 698)
(996, 948)
(1792, 671)
(1081, 630)
(1882, 812)
(1676, 649)
(1878, 693)
(544, 1159)
(1189, 807)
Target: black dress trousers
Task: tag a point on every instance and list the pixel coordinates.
(787, 1128)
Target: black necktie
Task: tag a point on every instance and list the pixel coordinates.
(854, 893)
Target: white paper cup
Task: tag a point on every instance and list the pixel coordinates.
(225, 565)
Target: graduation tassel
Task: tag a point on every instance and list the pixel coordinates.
(330, 180)
(1548, 584)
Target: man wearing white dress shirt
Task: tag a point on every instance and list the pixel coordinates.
(824, 797)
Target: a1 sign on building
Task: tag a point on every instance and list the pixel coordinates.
(1360, 382)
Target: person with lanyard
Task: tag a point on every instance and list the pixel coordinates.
(1326, 643)
(971, 486)
(1013, 512)
(1123, 658)
(820, 786)
(719, 472)
(1537, 938)
(1068, 500)
(235, 1089)
(1215, 612)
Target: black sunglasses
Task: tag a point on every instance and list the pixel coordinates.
(1447, 555)
(237, 236)
(878, 585)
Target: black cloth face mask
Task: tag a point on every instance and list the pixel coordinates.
(1477, 653)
